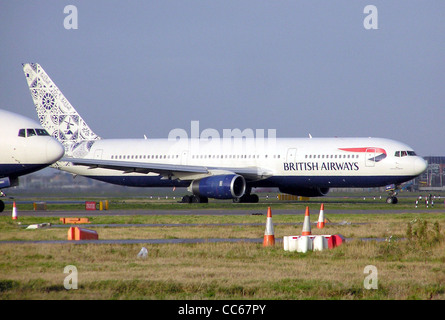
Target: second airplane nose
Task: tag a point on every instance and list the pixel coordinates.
(54, 150)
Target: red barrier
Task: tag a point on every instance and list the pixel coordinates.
(90, 205)
(76, 233)
(335, 240)
(74, 220)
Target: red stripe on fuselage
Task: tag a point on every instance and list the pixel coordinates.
(368, 149)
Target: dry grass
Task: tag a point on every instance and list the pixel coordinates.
(406, 269)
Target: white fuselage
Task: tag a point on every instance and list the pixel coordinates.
(285, 162)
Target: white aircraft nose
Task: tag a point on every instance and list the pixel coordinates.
(54, 150)
(420, 165)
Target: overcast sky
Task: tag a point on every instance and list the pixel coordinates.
(147, 67)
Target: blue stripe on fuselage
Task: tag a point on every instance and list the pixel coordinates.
(15, 170)
(272, 182)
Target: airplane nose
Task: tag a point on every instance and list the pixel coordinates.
(54, 150)
(420, 165)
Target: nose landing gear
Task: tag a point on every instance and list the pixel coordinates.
(392, 195)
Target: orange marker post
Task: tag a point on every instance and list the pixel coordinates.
(269, 237)
(321, 221)
(307, 223)
(14, 212)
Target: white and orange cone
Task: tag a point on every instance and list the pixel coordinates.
(307, 224)
(14, 212)
(269, 237)
(321, 220)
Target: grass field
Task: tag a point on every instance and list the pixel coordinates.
(410, 263)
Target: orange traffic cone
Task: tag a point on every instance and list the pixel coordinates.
(269, 237)
(307, 224)
(14, 212)
(321, 221)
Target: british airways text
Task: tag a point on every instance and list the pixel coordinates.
(320, 166)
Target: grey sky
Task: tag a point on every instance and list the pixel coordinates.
(147, 67)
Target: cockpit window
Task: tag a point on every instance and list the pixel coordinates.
(42, 132)
(32, 132)
(404, 153)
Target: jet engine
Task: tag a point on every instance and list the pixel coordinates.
(220, 187)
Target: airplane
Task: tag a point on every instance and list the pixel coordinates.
(25, 147)
(223, 168)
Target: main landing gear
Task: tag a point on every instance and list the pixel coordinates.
(194, 199)
(2, 204)
(247, 198)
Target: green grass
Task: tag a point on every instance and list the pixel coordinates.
(336, 201)
(410, 266)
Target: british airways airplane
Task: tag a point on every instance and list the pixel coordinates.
(220, 168)
(25, 147)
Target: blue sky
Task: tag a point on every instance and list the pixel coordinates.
(147, 67)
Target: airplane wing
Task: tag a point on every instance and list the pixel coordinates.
(171, 171)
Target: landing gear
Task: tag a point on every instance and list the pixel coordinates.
(392, 195)
(194, 199)
(2, 204)
(392, 200)
(247, 198)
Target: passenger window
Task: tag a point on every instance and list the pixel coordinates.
(30, 132)
(22, 133)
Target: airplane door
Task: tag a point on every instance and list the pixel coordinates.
(98, 154)
(370, 157)
(184, 157)
(291, 153)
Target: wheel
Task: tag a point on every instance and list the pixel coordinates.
(247, 198)
(392, 200)
(2, 206)
(199, 199)
(186, 199)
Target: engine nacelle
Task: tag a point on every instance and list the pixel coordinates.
(220, 187)
(7, 182)
(305, 192)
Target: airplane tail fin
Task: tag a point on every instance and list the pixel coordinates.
(55, 112)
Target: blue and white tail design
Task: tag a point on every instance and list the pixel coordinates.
(55, 112)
